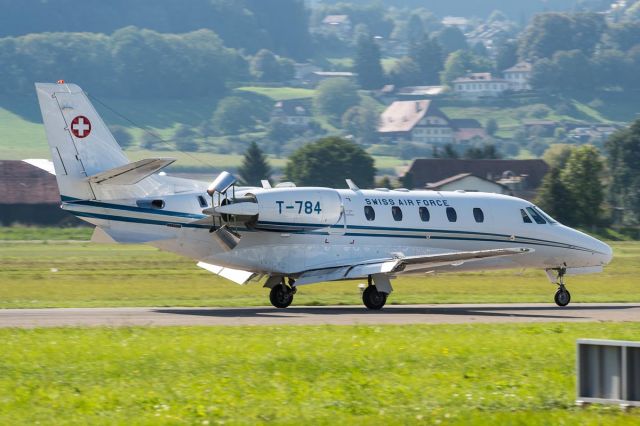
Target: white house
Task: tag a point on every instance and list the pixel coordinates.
(480, 84)
(518, 76)
(468, 182)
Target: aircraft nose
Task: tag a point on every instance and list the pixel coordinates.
(606, 252)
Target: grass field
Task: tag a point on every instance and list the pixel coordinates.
(419, 374)
(280, 93)
(68, 274)
(31, 233)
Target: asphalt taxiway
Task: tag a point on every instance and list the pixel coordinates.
(318, 315)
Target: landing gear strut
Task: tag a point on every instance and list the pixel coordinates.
(281, 295)
(562, 296)
(372, 298)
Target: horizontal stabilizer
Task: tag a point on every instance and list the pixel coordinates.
(236, 275)
(131, 173)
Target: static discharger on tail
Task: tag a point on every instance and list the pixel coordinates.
(291, 236)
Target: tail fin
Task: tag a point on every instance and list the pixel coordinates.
(81, 144)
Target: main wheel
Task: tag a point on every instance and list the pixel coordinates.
(281, 296)
(373, 299)
(562, 297)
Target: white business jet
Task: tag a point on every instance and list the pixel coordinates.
(289, 236)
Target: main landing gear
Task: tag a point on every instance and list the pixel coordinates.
(372, 298)
(562, 296)
(281, 295)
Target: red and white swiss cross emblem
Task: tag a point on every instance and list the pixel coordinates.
(80, 126)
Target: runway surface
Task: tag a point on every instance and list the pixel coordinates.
(304, 315)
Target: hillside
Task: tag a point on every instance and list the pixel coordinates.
(23, 135)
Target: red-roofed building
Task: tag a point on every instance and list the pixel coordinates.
(415, 121)
(522, 177)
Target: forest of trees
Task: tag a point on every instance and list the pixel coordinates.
(130, 63)
(280, 26)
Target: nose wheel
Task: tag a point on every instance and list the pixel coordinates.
(562, 296)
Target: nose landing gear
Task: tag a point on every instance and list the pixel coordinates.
(562, 296)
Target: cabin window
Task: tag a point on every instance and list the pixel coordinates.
(536, 217)
(202, 201)
(369, 213)
(525, 216)
(397, 213)
(150, 204)
(478, 215)
(451, 214)
(424, 214)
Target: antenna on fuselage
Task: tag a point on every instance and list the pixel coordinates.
(352, 186)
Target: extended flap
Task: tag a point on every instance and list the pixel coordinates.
(236, 275)
(131, 173)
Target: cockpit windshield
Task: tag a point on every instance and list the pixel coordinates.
(548, 218)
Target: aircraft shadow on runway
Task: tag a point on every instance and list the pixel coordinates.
(554, 312)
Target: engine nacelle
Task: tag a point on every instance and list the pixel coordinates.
(313, 206)
(306, 207)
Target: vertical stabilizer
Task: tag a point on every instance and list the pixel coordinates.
(81, 144)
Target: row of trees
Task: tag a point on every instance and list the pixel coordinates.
(326, 162)
(280, 26)
(578, 52)
(130, 63)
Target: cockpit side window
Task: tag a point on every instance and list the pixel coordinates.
(525, 216)
(534, 214)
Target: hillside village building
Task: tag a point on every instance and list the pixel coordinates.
(415, 121)
(469, 183)
(484, 84)
(521, 177)
(421, 122)
(480, 84)
(519, 76)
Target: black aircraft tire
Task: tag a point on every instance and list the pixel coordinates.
(562, 297)
(281, 296)
(373, 299)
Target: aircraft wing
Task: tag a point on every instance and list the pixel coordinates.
(393, 265)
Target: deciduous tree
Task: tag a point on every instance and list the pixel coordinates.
(623, 149)
(335, 96)
(328, 162)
